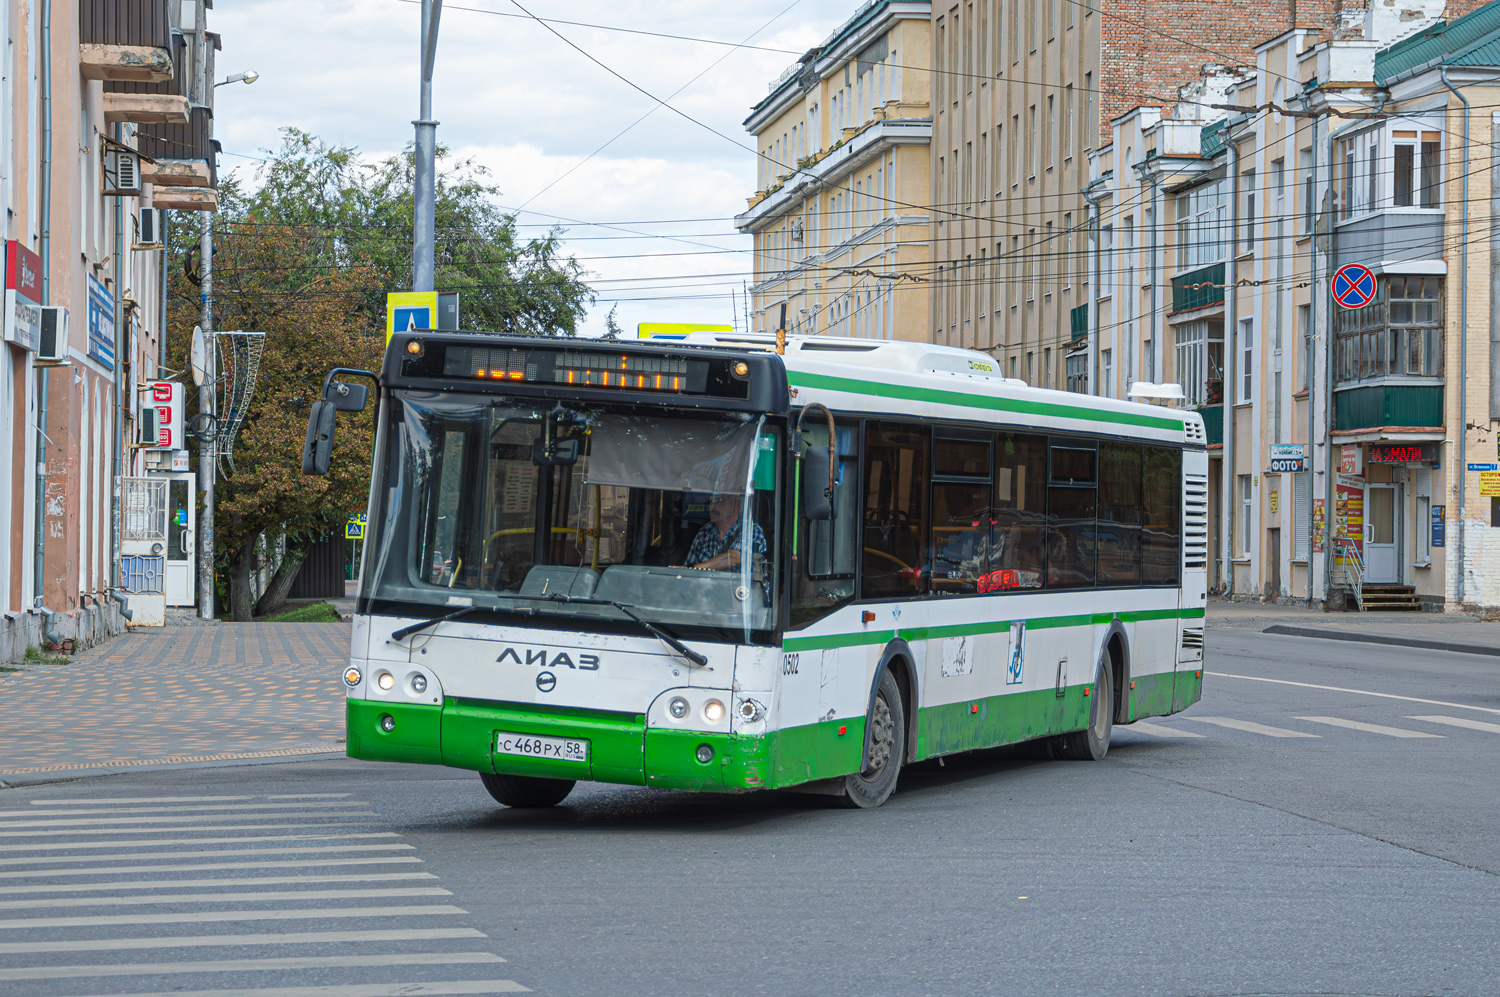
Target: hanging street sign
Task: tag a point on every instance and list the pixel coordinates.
(1354, 285)
(1288, 458)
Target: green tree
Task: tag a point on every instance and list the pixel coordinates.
(306, 254)
(612, 328)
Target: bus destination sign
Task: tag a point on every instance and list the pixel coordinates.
(1403, 453)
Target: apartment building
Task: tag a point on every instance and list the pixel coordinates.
(1351, 447)
(106, 125)
(840, 216)
(1023, 95)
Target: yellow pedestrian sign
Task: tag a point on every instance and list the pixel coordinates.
(354, 529)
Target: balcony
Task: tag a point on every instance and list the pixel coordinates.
(1375, 406)
(151, 103)
(125, 40)
(1213, 423)
(1078, 323)
(1198, 288)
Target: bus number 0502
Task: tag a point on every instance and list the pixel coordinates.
(790, 663)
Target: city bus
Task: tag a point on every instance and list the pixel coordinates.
(727, 563)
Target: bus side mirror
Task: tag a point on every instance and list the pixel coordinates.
(347, 397)
(317, 452)
(817, 499)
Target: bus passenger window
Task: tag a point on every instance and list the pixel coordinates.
(1119, 529)
(960, 514)
(1072, 533)
(1161, 526)
(1018, 548)
(824, 576)
(896, 516)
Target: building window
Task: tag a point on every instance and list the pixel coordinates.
(1077, 372)
(1305, 162)
(1247, 360)
(1200, 361)
(1107, 368)
(1107, 260)
(1047, 367)
(1201, 217)
(1247, 506)
(1031, 142)
(1068, 124)
(1247, 184)
(1089, 129)
(1416, 169)
(1400, 333)
(1304, 331)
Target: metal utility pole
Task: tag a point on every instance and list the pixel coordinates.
(207, 400)
(424, 198)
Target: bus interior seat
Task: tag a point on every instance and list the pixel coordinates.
(560, 579)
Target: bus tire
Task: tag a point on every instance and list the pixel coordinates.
(887, 752)
(1092, 743)
(526, 791)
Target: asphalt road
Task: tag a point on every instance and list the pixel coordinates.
(1278, 838)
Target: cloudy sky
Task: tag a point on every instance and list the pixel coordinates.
(649, 217)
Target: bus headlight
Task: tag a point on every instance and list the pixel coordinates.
(713, 711)
(385, 680)
(678, 707)
(419, 683)
(352, 676)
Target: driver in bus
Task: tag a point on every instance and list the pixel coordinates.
(718, 545)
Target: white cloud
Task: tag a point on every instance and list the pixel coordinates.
(528, 106)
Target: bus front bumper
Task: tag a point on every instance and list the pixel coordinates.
(621, 748)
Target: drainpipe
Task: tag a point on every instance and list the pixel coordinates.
(122, 355)
(1091, 383)
(1460, 467)
(1329, 553)
(1231, 355)
(49, 627)
(1310, 368)
(1158, 327)
(166, 253)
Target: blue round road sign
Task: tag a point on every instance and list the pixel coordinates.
(1354, 285)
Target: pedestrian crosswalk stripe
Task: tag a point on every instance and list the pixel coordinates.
(1156, 730)
(226, 898)
(177, 830)
(158, 884)
(355, 990)
(234, 941)
(95, 800)
(71, 845)
(320, 863)
(1461, 722)
(1369, 728)
(204, 916)
(1249, 727)
(290, 804)
(172, 819)
(252, 965)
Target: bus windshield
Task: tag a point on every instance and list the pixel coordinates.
(577, 510)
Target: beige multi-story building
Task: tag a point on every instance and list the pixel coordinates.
(106, 125)
(1350, 447)
(1023, 93)
(840, 214)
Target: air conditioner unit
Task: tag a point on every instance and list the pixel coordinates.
(146, 427)
(148, 230)
(122, 172)
(52, 344)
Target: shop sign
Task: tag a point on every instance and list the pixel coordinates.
(101, 323)
(1439, 526)
(1318, 522)
(23, 296)
(1402, 453)
(1489, 484)
(1349, 459)
(1288, 458)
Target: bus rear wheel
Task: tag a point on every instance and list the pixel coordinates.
(1092, 743)
(874, 784)
(526, 791)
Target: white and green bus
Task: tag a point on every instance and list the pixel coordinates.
(706, 565)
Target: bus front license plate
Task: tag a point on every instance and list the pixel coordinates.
(567, 749)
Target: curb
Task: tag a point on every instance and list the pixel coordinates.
(1369, 638)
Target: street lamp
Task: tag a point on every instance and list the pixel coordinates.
(248, 76)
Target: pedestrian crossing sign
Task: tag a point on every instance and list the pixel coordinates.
(354, 529)
(407, 310)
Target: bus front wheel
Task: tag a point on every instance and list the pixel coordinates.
(526, 791)
(874, 784)
(1092, 743)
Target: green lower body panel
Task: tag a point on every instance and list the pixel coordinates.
(997, 720)
(1152, 696)
(1188, 690)
(415, 734)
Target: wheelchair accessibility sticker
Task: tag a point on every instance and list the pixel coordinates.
(1014, 672)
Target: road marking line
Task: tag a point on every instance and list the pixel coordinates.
(1461, 722)
(203, 916)
(254, 896)
(190, 810)
(1369, 728)
(205, 827)
(1357, 692)
(319, 863)
(307, 796)
(172, 818)
(158, 884)
(252, 965)
(228, 941)
(1156, 730)
(95, 800)
(356, 990)
(1248, 726)
(70, 845)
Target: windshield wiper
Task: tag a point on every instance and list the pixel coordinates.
(698, 660)
(407, 631)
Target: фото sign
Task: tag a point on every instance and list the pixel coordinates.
(1288, 458)
(101, 323)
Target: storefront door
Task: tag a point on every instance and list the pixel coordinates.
(1383, 534)
(182, 520)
